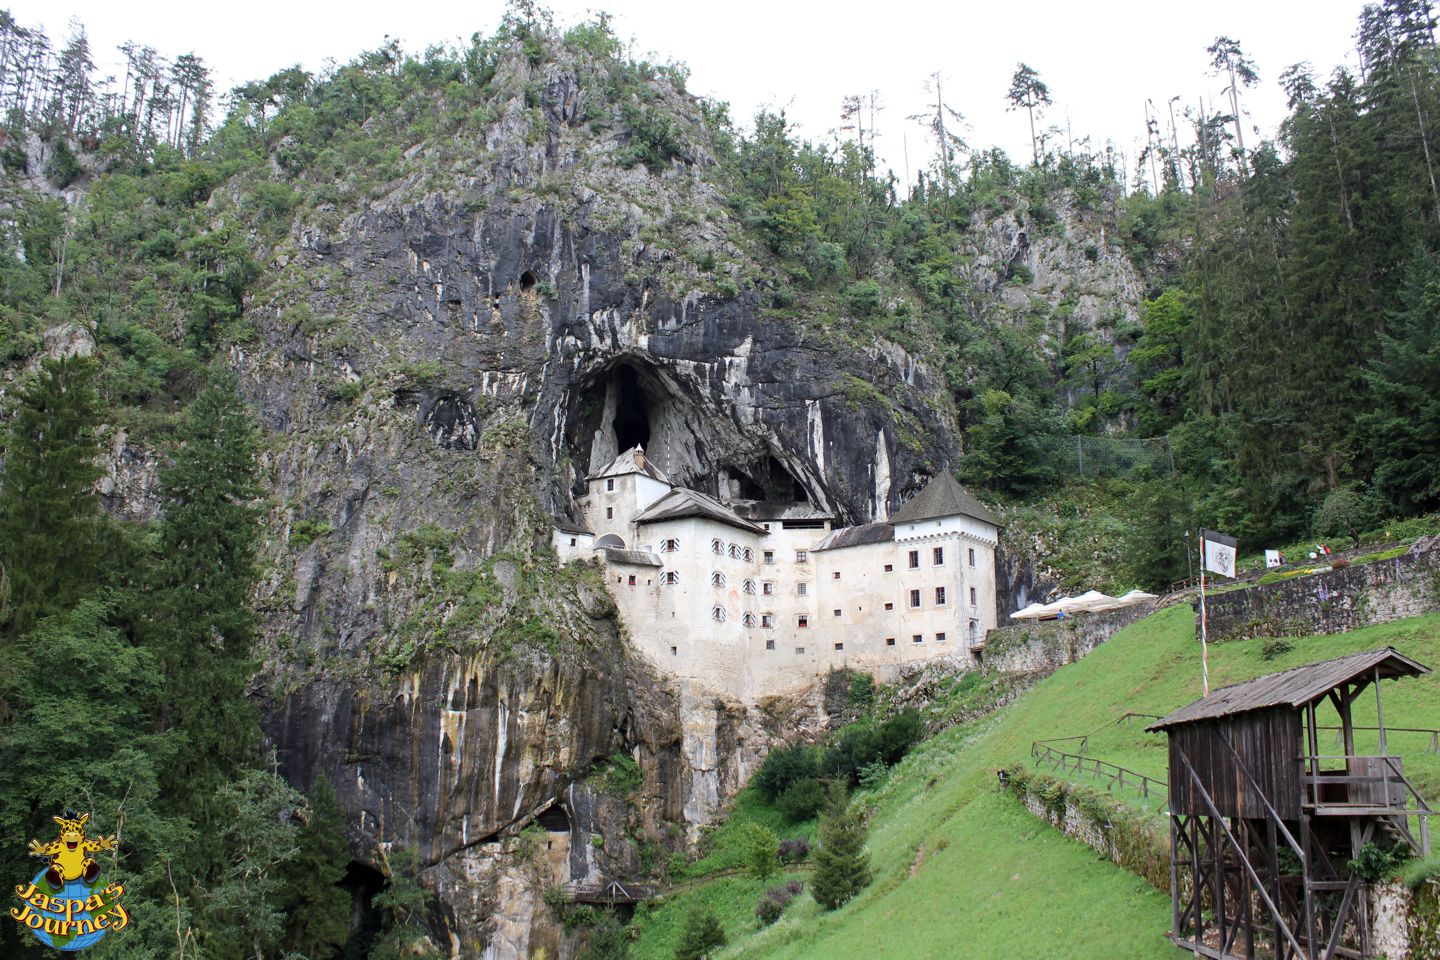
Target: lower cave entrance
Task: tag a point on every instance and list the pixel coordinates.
(363, 882)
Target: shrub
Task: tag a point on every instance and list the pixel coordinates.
(702, 935)
(794, 851)
(762, 852)
(1275, 647)
(784, 767)
(1375, 862)
(775, 900)
(803, 800)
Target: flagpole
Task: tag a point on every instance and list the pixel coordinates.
(1204, 638)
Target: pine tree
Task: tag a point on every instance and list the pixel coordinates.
(51, 531)
(317, 906)
(204, 627)
(702, 935)
(842, 866)
(762, 849)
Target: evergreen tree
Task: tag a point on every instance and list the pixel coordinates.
(608, 941)
(1029, 91)
(702, 935)
(842, 866)
(316, 906)
(403, 906)
(51, 532)
(762, 849)
(203, 627)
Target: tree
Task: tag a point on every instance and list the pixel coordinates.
(203, 628)
(403, 906)
(1029, 91)
(762, 852)
(702, 935)
(317, 908)
(1227, 57)
(608, 941)
(51, 531)
(842, 866)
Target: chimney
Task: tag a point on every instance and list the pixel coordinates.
(640, 457)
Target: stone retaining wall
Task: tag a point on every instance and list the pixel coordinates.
(1335, 601)
(1047, 645)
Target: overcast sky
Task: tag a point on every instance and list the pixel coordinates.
(1101, 59)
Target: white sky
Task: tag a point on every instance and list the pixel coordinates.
(1101, 59)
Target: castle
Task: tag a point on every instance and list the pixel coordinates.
(753, 598)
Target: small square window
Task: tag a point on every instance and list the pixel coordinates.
(835, 575)
(769, 644)
(632, 580)
(889, 568)
(769, 556)
(940, 637)
(803, 621)
(837, 613)
(609, 513)
(889, 641)
(671, 578)
(889, 606)
(610, 484)
(914, 559)
(767, 620)
(671, 545)
(939, 596)
(972, 596)
(839, 646)
(799, 649)
(767, 588)
(675, 651)
(574, 541)
(917, 638)
(802, 556)
(972, 556)
(802, 589)
(914, 598)
(938, 555)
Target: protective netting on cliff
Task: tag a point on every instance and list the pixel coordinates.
(1112, 456)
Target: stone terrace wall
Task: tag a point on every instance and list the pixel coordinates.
(1048, 645)
(1330, 602)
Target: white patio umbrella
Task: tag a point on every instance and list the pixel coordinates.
(1089, 600)
(1032, 612)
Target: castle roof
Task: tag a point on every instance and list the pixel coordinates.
(639, 558)
(631, 461)
(778, 510)
(943, 497)
(570, 526)
(856, 536)
(681, 502)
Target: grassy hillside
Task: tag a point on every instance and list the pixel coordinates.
(962, 871)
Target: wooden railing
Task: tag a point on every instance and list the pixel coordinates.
(1096, 769)
(1432, 747)
(608, 891)
(1084, 738)
(1368, 786)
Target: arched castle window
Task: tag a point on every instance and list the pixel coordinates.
(717, 579)
(671, 578)
(749, 587)
(749, 555)
(749, 620)
(735, 551)
(671, 545)
(717, 547)
(717, 614)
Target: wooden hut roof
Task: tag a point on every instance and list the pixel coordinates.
(1295, 687)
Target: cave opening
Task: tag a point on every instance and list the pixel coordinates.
(781, 484)
(632, 410)
(364, 883)
(527, 282)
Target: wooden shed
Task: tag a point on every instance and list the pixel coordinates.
(1263, 825)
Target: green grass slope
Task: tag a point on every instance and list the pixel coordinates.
(963, 871)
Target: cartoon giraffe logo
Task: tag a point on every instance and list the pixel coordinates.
(69, 852)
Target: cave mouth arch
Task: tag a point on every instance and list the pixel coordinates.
(631, 422)
(527, 282)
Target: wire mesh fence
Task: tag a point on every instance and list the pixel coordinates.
(1112, 456)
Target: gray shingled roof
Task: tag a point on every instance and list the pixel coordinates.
(1295, 687)
(631, 461)
(636, 557)
(778, 510)
(570, 526)
(856, 536)
(681, 502)
(943, 497)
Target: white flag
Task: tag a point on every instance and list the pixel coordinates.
(1219, 552)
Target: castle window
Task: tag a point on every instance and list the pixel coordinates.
(609, 513)
(767, 588)
(914, 559)
(837, 613)
(749, 587)
(802, 621)
(917, 638)
(670, 546)
(769, 556)
(802, 556)
(748, 555)
(889, 568)
(748, 620)
(674, 651)
(939, 596)
(717, 547)
(717, 614)
(889, 641)
(914, 598)
(632, 580)
(889, 606)
(573, 541)
(974, 631)
(938, 556)
(769, 644)
(972, 556)
(972, 596)
(610, 484)
(835, 575)
(671, 578)
(802, 589)
(717, 579)
(735, 551)
(799, 649)
(940, 637)
(839, 646)
(767, 620)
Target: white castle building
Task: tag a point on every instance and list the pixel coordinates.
(753, 598)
